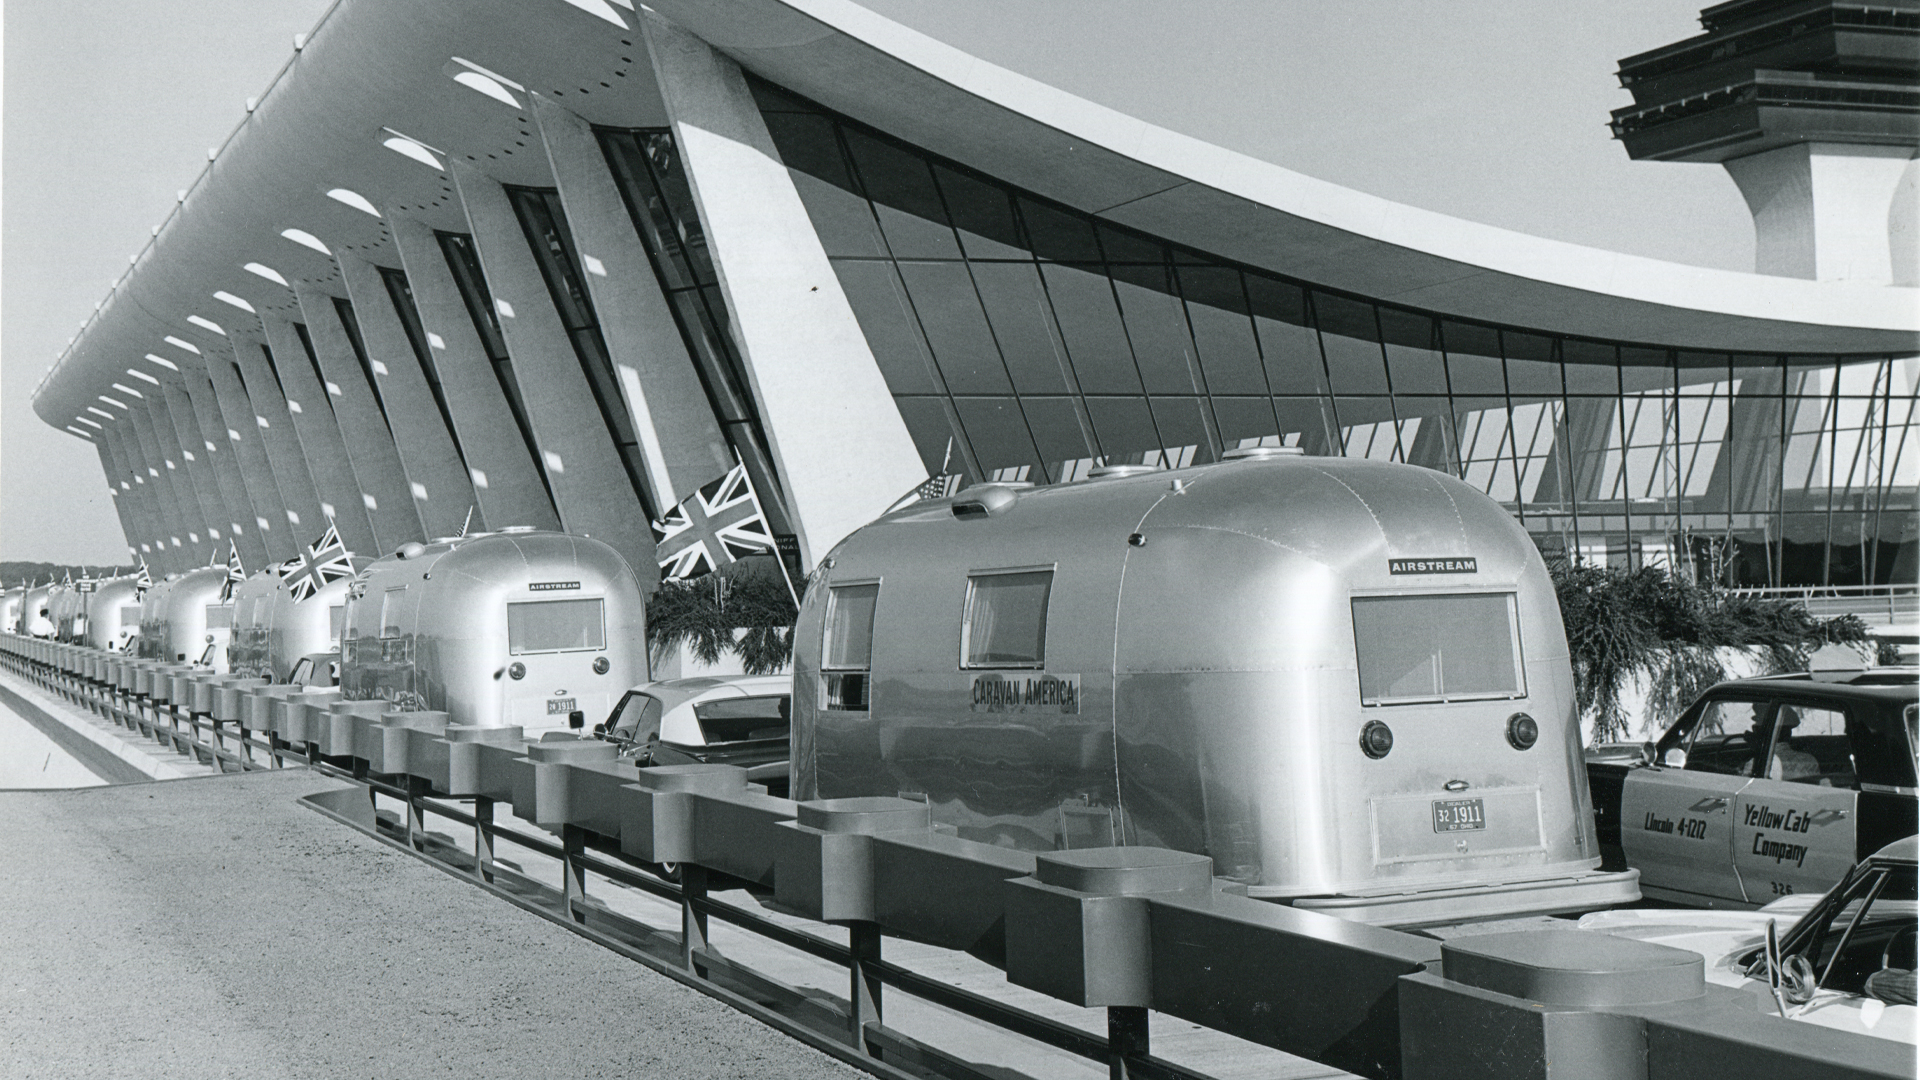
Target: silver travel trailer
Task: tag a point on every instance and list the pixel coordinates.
(517, 627)
(273, 632)
(183, 621)
(1345, 681)
(34, 619)
(113, 613)
(11, 603)
(67, 611)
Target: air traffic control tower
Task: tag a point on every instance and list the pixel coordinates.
(1813, 106)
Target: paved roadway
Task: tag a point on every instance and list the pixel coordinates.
(215, 928)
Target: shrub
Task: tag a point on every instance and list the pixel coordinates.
(705, 612)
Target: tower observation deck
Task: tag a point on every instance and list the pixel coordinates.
(1813, 107)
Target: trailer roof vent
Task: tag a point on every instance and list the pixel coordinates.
(1262, 453)
(517, 529)
(1112, 472)
(986, 500)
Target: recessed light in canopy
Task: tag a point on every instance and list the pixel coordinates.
(187, 345)
(267, 272)
(306, 239)
(164, 362)
(228, 298)
(138, 374)
(491, 83)
(206, 324)
(354, 199)
(408, 146)
(125, 389)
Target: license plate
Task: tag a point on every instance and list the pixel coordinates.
(563, 706)
(1459, 815)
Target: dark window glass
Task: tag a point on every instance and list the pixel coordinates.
(1184, 437)
(936, 433)
(272, 366)
(1427, 434)
(1473, 358)
(1413, 355)
(1288, 344)
(1157, 330)
(1352, 344)
(904, 199)
(849, 647)
(879, 302)
(1700, 373)
(1222, 329)
(350, 323)
(1082, 300)
(1121, 246)
(1308, 419)
(956, 328)
(744, 719)
(402, 295)
(464, 264)
(1022, 322)
(810, 147)
(983, 214)
(1247, 421)
(1056, 234)
(313, 363)
(1006, 619)
(1436, 648)
(1124, 428)
(1591, 368)
(998, 432)
(1062, 433)
(1532, 371)
(1642, 370)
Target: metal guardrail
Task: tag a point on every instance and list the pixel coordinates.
(1893, 603)
(1126, 929)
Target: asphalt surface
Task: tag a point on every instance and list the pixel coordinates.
(214, 927)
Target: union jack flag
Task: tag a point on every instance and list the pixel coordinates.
(143, 580)
(326, 560)
(717, 524)
(236, 573)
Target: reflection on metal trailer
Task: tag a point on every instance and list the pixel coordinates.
(273, 632)
(183, 619)
(10, 604)
(517, 627)
(1344, 681)
(113, 613)
(67, 611)
(33, 613)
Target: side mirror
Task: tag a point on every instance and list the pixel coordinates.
(1649, 753)
(1676, 758)
(600, 731)
(576, 719)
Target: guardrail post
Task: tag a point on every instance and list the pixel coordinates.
(693, 918)
(573, 870)
(416, 814)
(483, 838)
(1127, 1040)
(863, 989)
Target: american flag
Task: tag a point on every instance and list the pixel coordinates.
(939, 486)
(717, 524)
(236, 573)
(326, 560)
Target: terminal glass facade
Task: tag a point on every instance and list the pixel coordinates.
(1024, 340)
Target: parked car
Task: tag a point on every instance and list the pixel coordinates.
(1847, 962)
(1763, 788)
(743, 720)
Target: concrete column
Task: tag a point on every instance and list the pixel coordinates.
(193, 462)
(179, 509)
(248, 454)
(370, 447)
(436, 476)
(152, 538)
(1826, 211)
(680, 441)
(506, 483)
(323, 443)
(294, 470)
(244, 516)
(836, 436)
(589, 485)
(129, 505)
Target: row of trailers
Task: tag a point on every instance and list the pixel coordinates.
(1274, 705)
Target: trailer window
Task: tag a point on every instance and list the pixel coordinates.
(848, 661)
(390, 602)
(1437, 648)
(556, 626)
(1006, 619)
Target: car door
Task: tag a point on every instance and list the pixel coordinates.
(1676, 815)
(1793, 828)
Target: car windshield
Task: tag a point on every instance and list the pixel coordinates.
(737, 719)
(636, 718)
(1865, 925)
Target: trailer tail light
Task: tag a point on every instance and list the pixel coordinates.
(516, 670)
(1522, 731)
(1376, 739)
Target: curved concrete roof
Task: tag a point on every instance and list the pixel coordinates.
(371, 66)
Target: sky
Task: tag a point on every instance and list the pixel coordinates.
(1465, 108)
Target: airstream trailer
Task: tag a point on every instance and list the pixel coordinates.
(10, 604)
(184, 620)
(273, 632)
(34, 619)
(67, 611)
(517, 627)
(1345, 681)
(113, 613)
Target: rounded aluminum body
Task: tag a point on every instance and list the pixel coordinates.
(183, 620)
(113, 614)
(67, 610)
(272, 630)
(1201, 688)
(11, 603)
(446, 625)
(33, 612)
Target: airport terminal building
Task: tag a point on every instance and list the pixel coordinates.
(563, 263)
